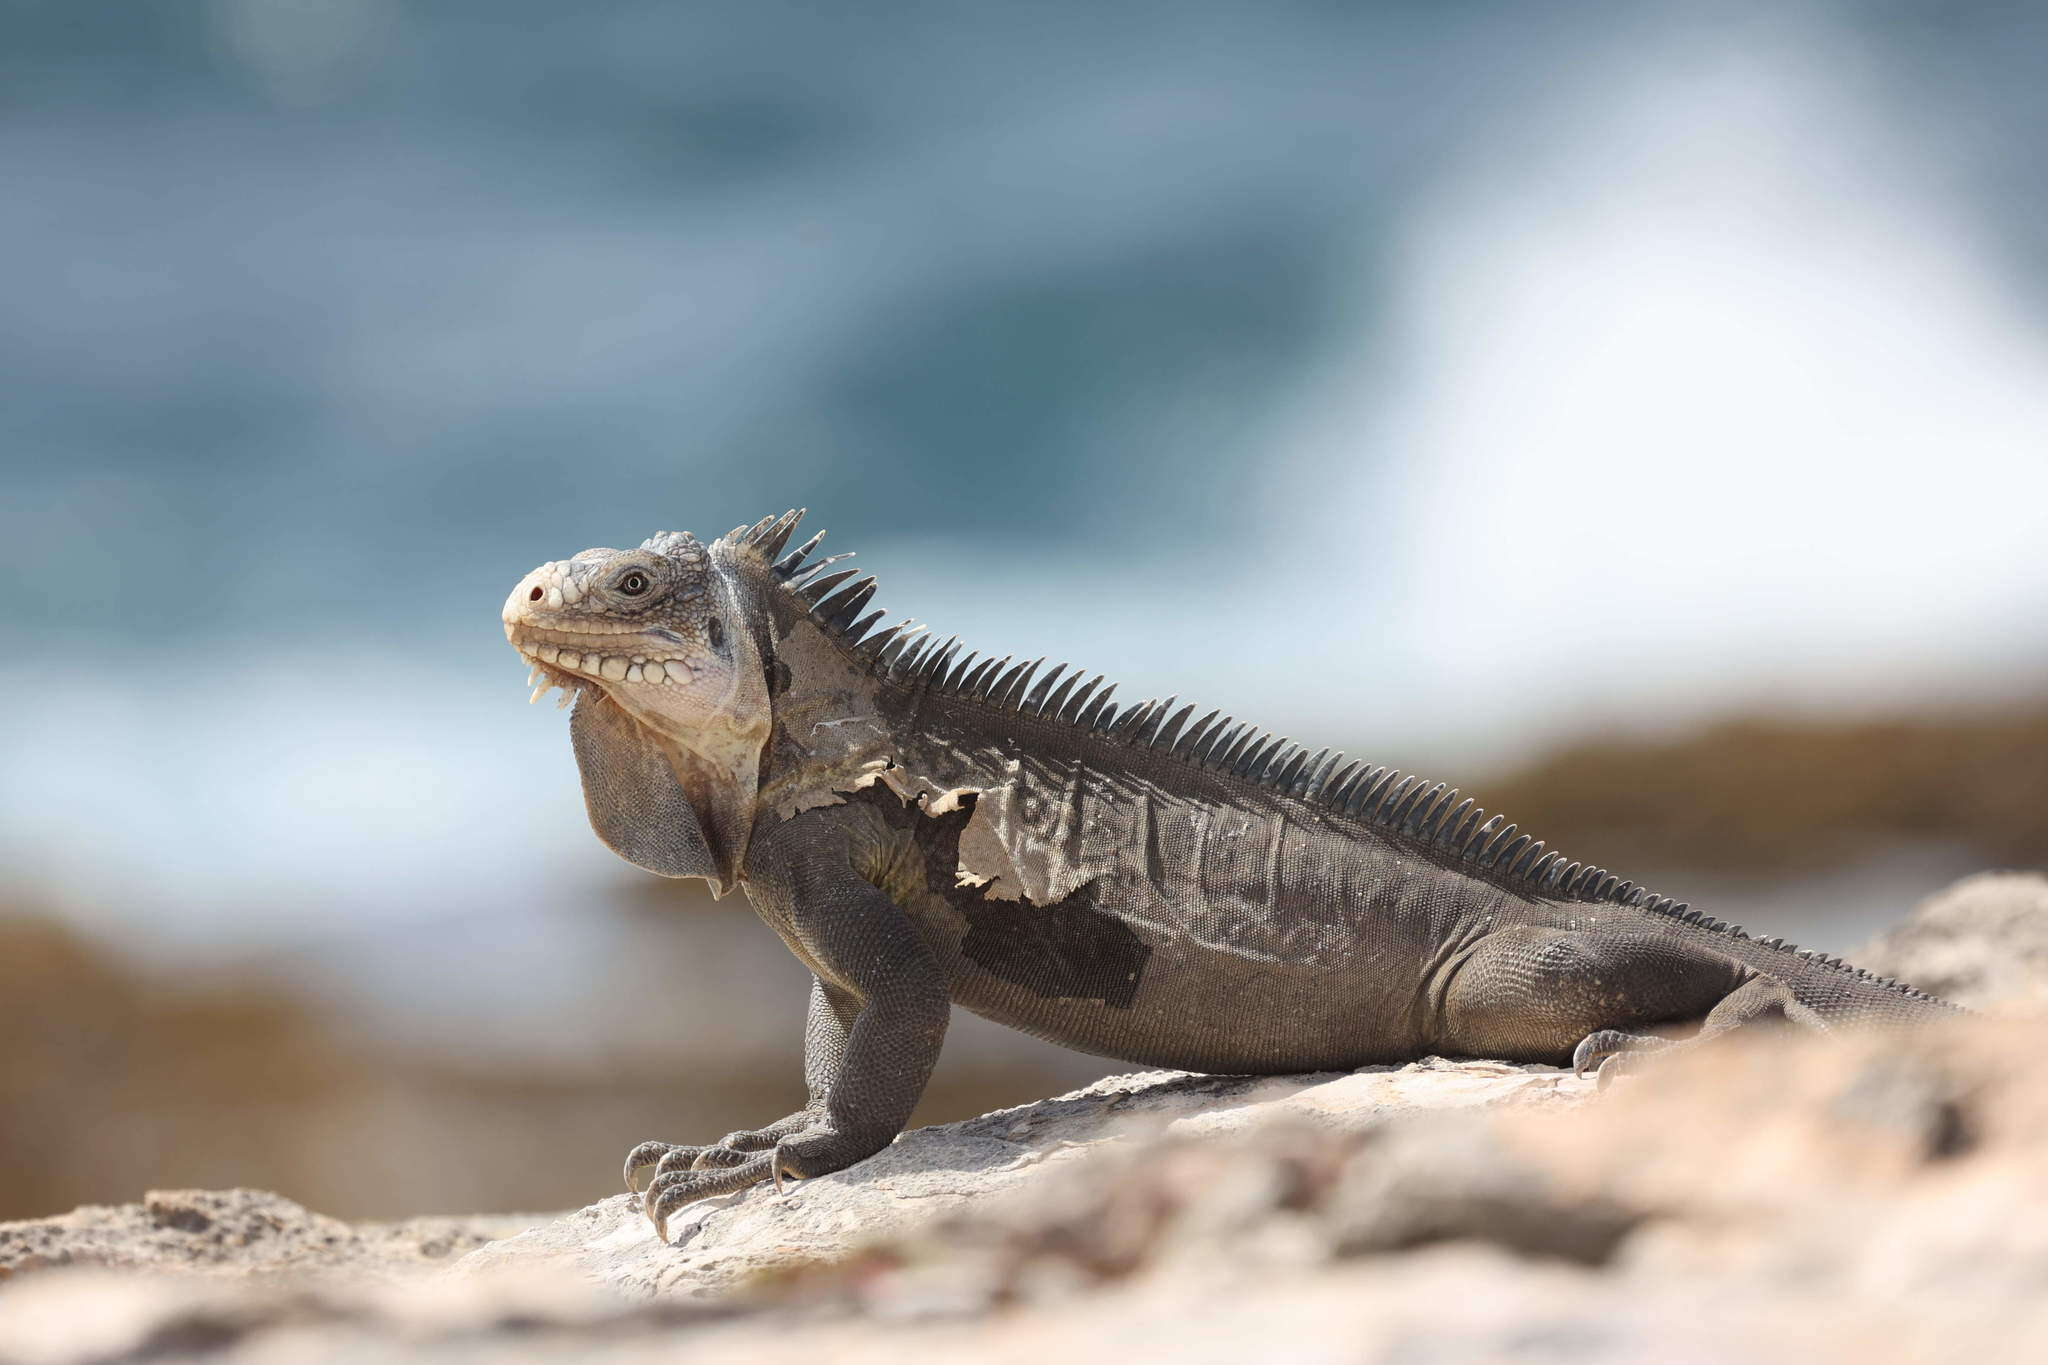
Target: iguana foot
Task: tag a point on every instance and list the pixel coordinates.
(683, 1175)
(1598, 1050)
(730, 1150)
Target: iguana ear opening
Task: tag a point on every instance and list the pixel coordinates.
(637, 804)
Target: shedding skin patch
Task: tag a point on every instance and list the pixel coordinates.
(985, 861)
(1023, 893)
(1065, 949)
(827, 731)
(832, 742)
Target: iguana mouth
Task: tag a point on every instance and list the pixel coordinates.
(572, 659)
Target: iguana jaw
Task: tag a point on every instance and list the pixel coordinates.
(689, 686)
(570, 659)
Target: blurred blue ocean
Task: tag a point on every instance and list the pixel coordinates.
(1434, 380)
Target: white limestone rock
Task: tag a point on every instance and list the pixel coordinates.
(930, 1172)
(1982, 943)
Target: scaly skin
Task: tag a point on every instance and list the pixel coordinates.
(923, 832)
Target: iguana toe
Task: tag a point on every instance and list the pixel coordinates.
(645, 1155)
(1596, 1049)
(760, 1139)
(719, 1157)
(670, 1191)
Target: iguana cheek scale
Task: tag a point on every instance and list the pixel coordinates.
(924, 828)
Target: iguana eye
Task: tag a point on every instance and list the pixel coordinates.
(714, 631)
(634, 583)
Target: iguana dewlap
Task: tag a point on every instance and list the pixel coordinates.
(1174, 890)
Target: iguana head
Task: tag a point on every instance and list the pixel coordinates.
(672, 705)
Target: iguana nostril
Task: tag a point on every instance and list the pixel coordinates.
(535, 595)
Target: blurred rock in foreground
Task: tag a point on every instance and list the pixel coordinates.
(241, 1234)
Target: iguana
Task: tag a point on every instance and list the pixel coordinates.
(925, 828)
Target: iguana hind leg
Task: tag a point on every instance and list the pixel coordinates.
(1527, 993)
(1758, 1001)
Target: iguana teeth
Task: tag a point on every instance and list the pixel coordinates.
(615, 668)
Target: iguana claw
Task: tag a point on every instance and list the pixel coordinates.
(641, 1157)
(1597, 1050)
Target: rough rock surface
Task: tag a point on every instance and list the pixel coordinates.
(934, 1171)
(1982, 942)
(1765, 1198)
(241, 1233)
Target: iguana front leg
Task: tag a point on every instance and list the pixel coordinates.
(826, 1025)
(877, 1021)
